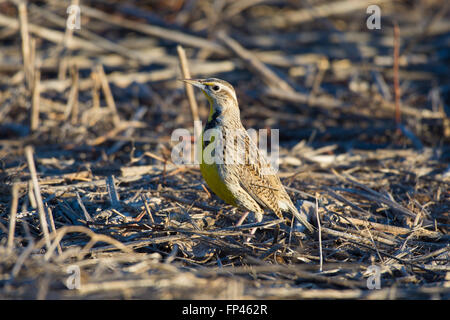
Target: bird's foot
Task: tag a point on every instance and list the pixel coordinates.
(242, 219)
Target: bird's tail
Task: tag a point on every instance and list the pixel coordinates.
(301, 217)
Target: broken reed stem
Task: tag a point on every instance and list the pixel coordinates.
(72, 103)
(322, 66)
(61, 232)
(68, 36)
(31, 196)
(173, 254)
(32, 58)
(147, 208)
(83, 208)
(108, 95)
(12, 216)
(37, 194)
(191, 97)
(95, 90)
(62, 68)
(112, 191)
(154, 31)
(35, 100)
(23, 21)
(189, 90)
(396, 80)
(52, 225)
(320, 234)
(255, 65)
(391, 229)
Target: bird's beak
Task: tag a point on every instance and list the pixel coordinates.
(194, 82)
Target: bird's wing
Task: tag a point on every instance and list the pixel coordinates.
(258, 178)
(260, 181)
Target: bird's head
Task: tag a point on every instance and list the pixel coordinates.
(220, 94)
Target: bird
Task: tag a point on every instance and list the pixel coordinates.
(238, 174)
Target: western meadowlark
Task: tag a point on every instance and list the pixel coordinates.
(251, 184)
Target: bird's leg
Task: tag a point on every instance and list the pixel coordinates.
(259, 218)
(241, 220)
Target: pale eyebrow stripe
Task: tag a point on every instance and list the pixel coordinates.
(230, 91)
(224, 86)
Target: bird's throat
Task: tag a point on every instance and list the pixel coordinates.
(211, 106)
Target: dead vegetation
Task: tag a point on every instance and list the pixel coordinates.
(87, 182)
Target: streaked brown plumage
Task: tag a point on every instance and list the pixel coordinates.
(251, 183)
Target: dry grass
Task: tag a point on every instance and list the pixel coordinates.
(97, 189)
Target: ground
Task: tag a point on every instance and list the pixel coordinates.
(92, 205)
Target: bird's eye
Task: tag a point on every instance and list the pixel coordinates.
(216, 88)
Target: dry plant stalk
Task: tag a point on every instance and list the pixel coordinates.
(66, 43)
(381, 201)
(189, 91)
(37, 194)
(95, 90)
(35, 100)
(108, 94)
(268, 76)
(52, 225)
(320, 233)
(72, 103)
(154, 31)
(26, 52)
(12, 216)
(396, 80)
(147, 209)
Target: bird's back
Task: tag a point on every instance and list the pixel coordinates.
(257, 178)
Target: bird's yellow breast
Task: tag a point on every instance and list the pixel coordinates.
(210, 173)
